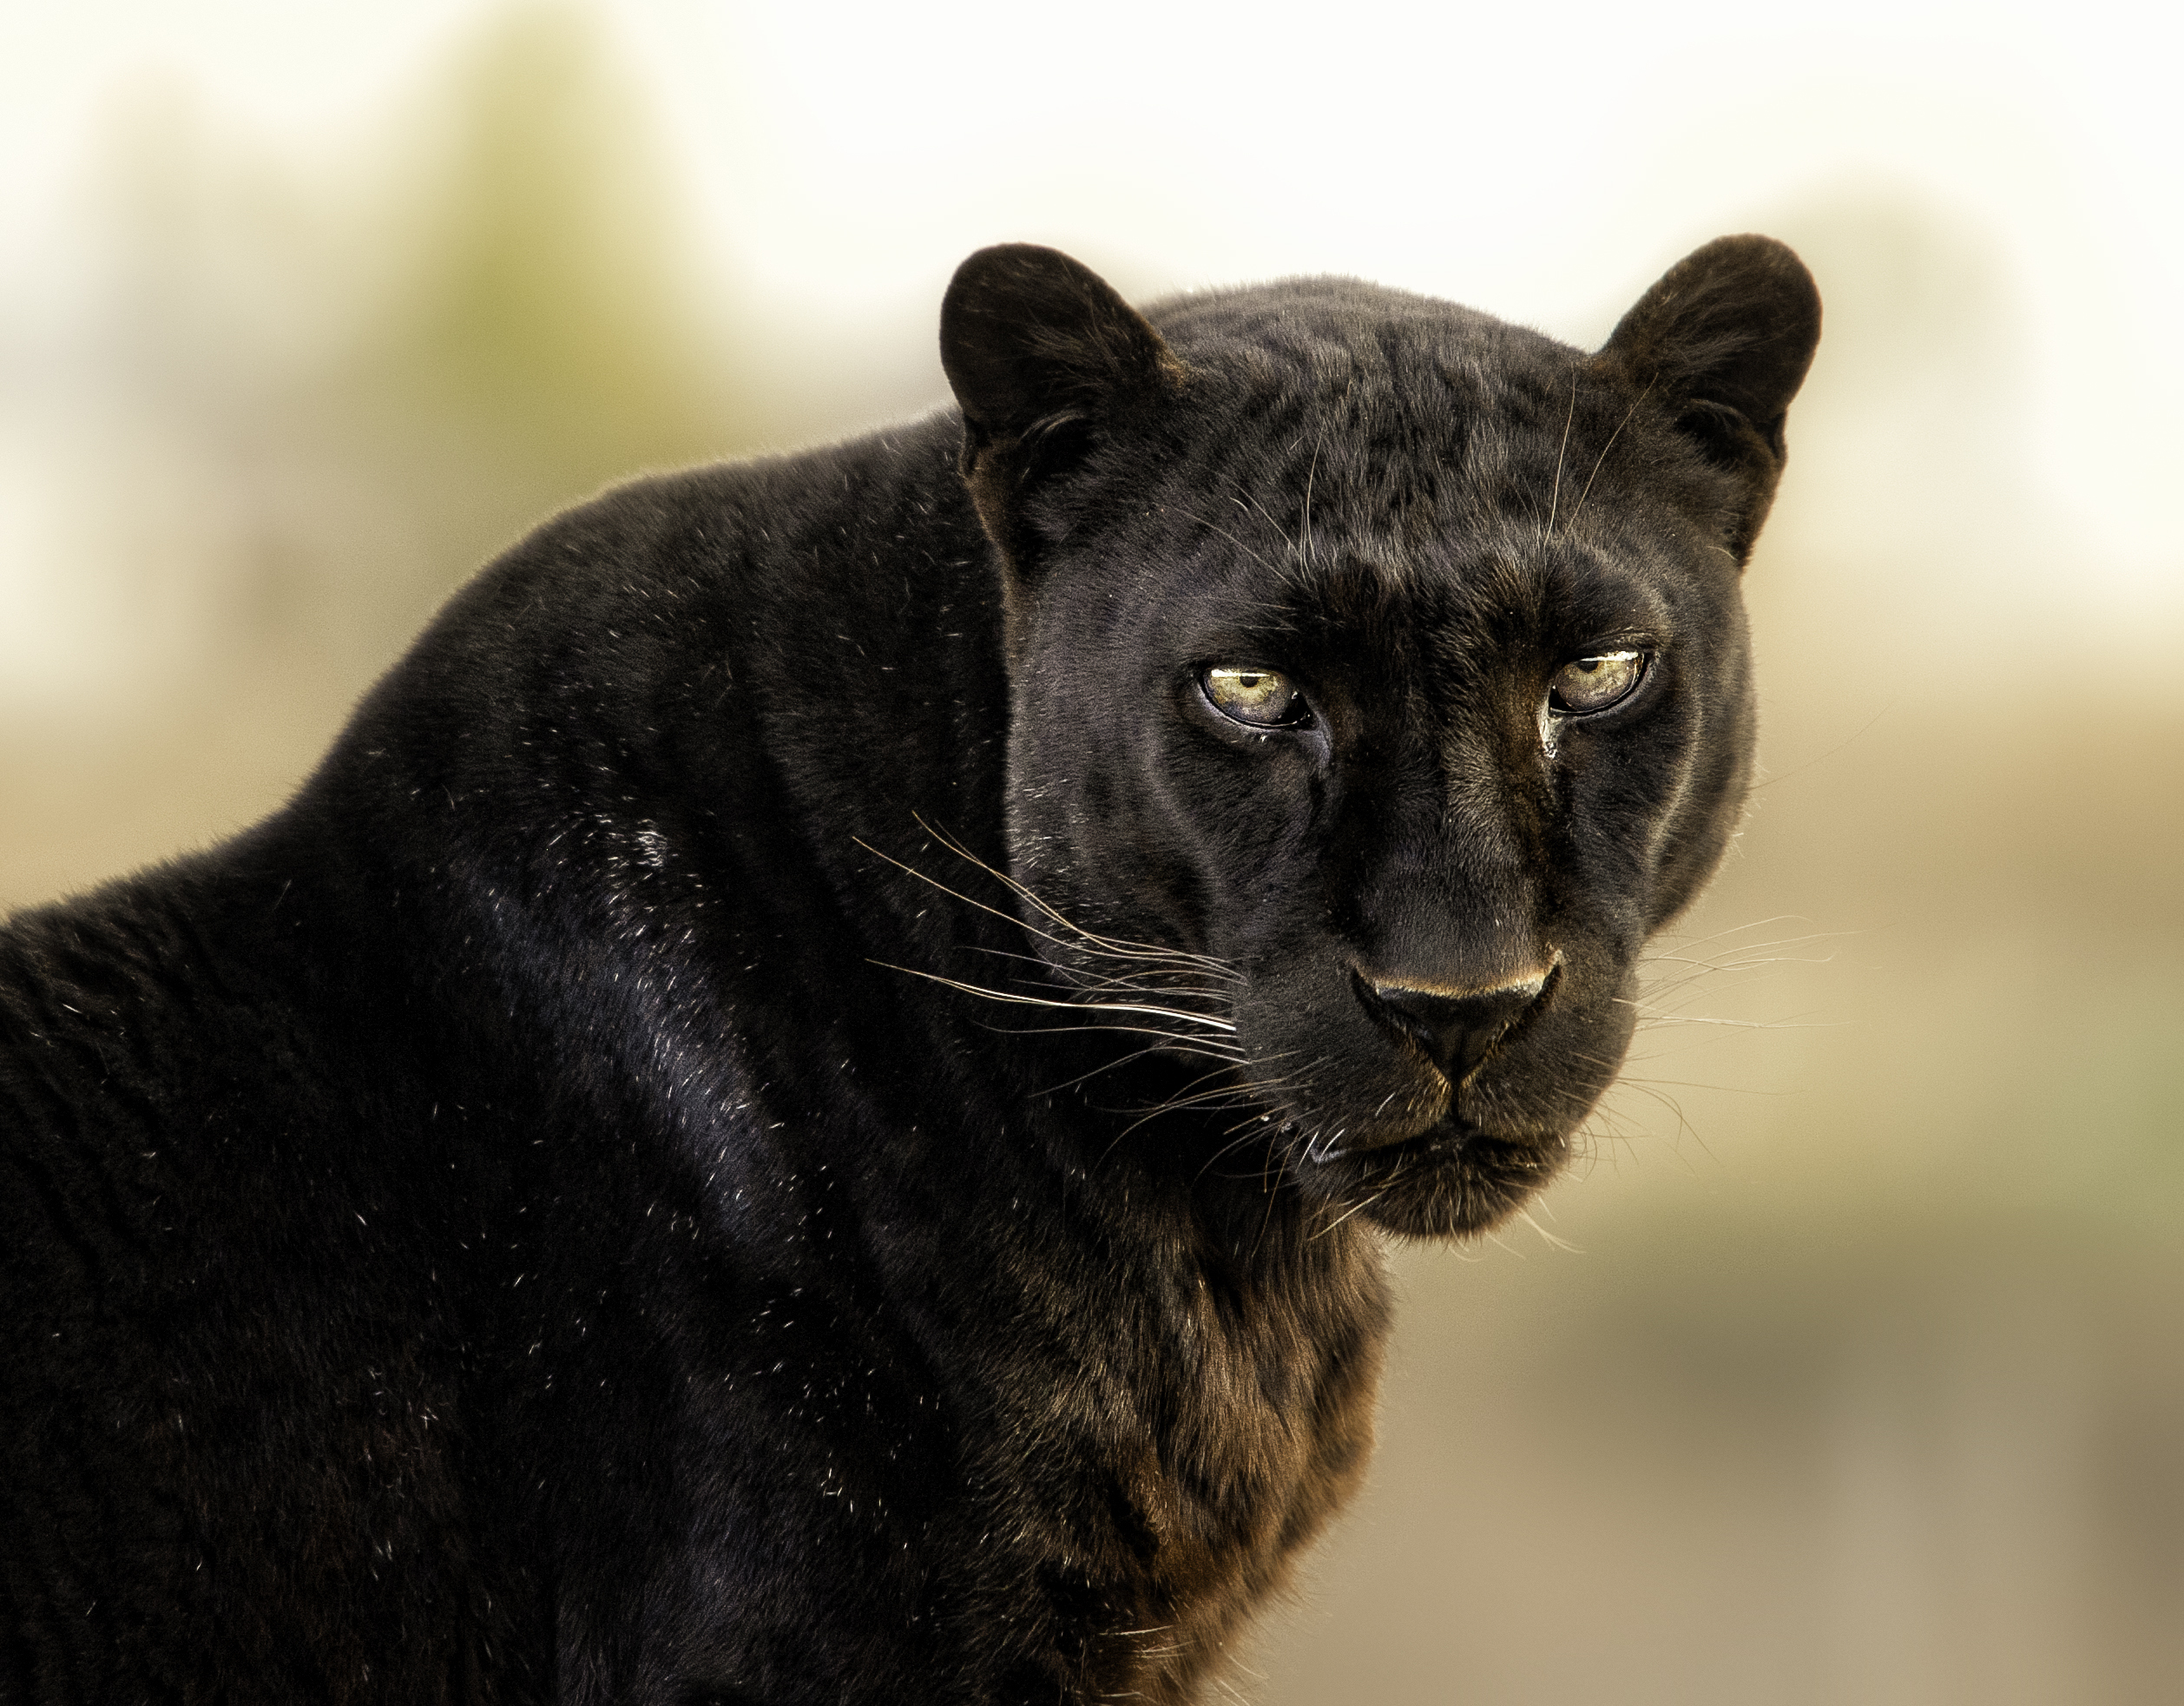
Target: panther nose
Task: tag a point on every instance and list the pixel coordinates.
(1454, 1027)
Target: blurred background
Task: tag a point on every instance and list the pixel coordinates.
(1849, 1367)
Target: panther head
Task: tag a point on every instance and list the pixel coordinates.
(1379, 678)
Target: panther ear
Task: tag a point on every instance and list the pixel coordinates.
(1043, 357)
(1722, 342)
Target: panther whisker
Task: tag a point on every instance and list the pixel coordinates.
(1735, 1024)
(1213, 526)
(1683, 1122)
(1387, 1187)
(1147, 1052)
(1176, 1104)
(1168, 1043)
(1758, 924)
(1751, 960)
(1259, 1126)
(1312, 471)
(1578, 507)
(1184, 979)
(1724, 1089)
(1227, 1062)
(1551, 1239)
(957, 893)
(1113, 946)
(1547, 533)
(1221, 1096)
(1068, 1006)
(1101, 944)
(1180, 983)
(1281, 532)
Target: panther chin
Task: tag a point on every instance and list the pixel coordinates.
(1453, 1180)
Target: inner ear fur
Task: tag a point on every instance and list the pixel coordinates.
(1043, 355)
(1722, 343)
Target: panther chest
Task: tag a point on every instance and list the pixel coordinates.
(1207, 1440)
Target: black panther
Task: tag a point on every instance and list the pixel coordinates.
(804, 1107)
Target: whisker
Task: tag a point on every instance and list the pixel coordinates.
(1070, 1006)
(1204, 1048)
(1184, 980)
(1213, 526)
(1798, 770)
(1601, 461)
(1212, 1098)
(1178, 980)
(1367, 1203)
(1738, 1024)
(1757, 924)
(1260, 1126)
(1108, 945)
(1723, 1090)
(1311, 471)
(1147, 1052)
(1101, 944)
(1281, 532)
(1549, 1238)
(1547, 533)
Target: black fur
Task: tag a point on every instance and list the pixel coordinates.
(614, 1195)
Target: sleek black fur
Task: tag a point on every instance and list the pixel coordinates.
(797, 1112)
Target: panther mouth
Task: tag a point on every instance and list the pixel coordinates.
(1453, 1179)
(1451, 1139)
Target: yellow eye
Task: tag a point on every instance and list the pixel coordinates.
(1256, 698)
(1585, 685)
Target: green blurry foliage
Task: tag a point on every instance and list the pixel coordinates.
(370, 375)
(546, 338)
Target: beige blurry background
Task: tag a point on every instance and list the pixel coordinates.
(1851, 1367)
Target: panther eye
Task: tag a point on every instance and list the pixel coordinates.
(1256, 698)
(1585, 685)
